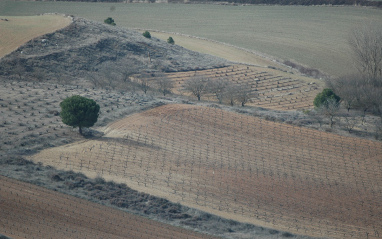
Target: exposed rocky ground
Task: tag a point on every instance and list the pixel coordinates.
(91, 49)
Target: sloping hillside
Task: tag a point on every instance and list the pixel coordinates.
(91, 48)
(239, 167)
(15, 31)
(29, 211)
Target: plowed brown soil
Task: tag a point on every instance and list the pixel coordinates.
(240, 167)
(29, 211)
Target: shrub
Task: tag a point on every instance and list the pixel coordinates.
(170, 40)
(324, 97)
(109, 21)
(147, 34)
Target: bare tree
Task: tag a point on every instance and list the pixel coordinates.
(231, 93)
(365, 42)
(145, 82)
(164, 84)
(93, 79)
(346, 88)
(350, 121)
(125, 75)
(329, 110)
(244, 94)
(219, 88)
(315, 114)
(197, 86)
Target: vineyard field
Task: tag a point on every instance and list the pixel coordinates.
(29, 211)
(240, 167)
(275, 89)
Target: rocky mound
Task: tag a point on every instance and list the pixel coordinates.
(91, 48)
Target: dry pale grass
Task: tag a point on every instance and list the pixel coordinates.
(29, 211)
(240, 167)
(15, 31)
(226, 51)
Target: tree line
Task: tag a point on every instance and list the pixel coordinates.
(360, 93)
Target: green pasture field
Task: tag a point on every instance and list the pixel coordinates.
(315, 36)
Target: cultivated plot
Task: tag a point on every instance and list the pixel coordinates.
(240, 167)
(274, 89)
(29, 211)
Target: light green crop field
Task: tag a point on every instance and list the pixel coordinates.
(315, 36)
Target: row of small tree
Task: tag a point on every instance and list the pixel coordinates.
(222, 89)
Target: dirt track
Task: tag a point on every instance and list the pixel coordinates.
(28, 211)
(239, 167)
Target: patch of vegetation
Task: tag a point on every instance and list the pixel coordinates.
(324, 98)
(109, 21)
(78, 111)
(170, 40)
(147, 34)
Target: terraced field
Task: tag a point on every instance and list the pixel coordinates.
(276, 89)
(240, 167)
(28, 211)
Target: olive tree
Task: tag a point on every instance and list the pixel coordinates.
(78, 111)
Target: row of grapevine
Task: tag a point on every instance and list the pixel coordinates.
(28, 211)
(281, 176)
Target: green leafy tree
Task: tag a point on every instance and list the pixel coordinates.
(78, 111)
(324, 97)
(147, 34)
(170, 40)
(109, 21)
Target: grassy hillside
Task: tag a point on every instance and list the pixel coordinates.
(315, 36)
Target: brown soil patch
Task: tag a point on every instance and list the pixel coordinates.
(29, 211)
(240, 167)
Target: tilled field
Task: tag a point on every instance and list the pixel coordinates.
(29, 211)
(240, 167)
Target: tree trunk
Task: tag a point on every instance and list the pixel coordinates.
(80, 129)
